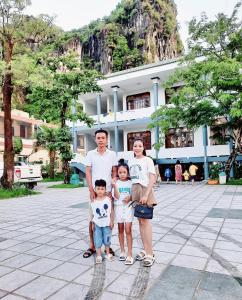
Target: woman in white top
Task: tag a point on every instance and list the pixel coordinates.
(143, 177)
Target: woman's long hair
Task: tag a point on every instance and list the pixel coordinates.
(142, 141)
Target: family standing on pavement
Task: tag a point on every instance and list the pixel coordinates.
(118, 192)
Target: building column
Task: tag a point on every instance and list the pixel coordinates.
(98, 98)
(205, 144)
(74, 132)
(156, 81)
(115, 108)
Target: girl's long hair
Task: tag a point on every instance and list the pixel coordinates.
(142, 141)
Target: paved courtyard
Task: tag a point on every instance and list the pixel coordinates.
(197, 243)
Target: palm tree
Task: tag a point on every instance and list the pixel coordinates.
(46, 138)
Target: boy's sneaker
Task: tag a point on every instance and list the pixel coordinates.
(99, 259)
(109, 257)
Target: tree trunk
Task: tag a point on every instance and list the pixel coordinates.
(52, 164)
(66, 171)
(7, 90)
(65, 162)
(230, 161)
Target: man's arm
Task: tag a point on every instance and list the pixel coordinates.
(114, 172)
(89, 182)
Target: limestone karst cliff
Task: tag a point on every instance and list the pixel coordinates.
(137, 32)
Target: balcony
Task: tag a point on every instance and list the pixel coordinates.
(122, 116)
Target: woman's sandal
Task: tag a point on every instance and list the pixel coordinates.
(129, 260)
(140, 256)
(149, 260)
(89, 252)
(99, 259)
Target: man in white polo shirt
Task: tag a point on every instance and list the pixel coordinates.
(101, 163)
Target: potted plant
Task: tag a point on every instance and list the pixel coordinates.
(214, 174)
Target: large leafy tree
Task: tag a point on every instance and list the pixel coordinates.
(52, 98)
(19, 38)
(210, 77)
(47, 138)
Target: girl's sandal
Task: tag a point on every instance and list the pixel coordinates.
(141, 255)
(129, 260)
(149, 260)
(122, 256)
(99, 259)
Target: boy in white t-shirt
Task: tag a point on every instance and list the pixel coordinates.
(102, 221)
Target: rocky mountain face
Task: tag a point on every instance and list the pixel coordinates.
(137, 32)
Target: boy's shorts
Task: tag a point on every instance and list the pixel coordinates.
(102, 236)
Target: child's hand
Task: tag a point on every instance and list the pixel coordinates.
(111, 224)
(113, 182)
(127, 199)
(93, 226)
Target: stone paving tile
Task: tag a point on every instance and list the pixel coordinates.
(229, 255)
(13, 297)
(175, 283)
(109, 296)
(19, 260)
(208, 295)
(62, 242)
(5, 254)
(42, 265)
(171, 238)
(71, 292)
(43, 250)
(187, 261)
(123, 285)
(214, 267)
(67, 271)
(64, 254)
(222, 284)
(14, 280)
(23, 247)
(193, 251)
(27, 236)
(2, 294)
(167, 247)
(43, 239)
(8, 243)
(41, 288)
(5, 270)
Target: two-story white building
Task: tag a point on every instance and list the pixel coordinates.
(124, 107)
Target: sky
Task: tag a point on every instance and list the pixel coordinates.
(77, 13)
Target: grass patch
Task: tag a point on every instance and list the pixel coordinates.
(52, 179)
(65, 186)
(16, 192)
(234, 182)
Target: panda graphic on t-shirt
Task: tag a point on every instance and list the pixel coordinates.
(102, 212)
